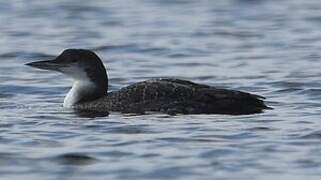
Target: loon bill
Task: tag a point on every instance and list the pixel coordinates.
(172, 96)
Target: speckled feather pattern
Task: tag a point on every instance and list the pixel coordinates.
(175, 96)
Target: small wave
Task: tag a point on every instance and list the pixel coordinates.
(114, 47)
(3, 96)
(288, 90)
(134, 48)
(260, 129)
(312, 135)
(25, 55)
(75, 159)
(311, 92)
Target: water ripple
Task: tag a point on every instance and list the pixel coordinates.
(265, 47)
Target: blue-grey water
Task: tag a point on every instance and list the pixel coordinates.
(268, 47)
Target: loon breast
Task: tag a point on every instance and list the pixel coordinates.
(175, 96)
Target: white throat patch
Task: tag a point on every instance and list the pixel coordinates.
(78, 90)
(82, 85)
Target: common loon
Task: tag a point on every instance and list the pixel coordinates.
(171, 96)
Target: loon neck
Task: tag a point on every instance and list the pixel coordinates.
(83, 91)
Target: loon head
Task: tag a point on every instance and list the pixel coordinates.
(86, 69)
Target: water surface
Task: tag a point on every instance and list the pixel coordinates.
(271, 48)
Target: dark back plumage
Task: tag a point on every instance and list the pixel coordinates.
(174, 96)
